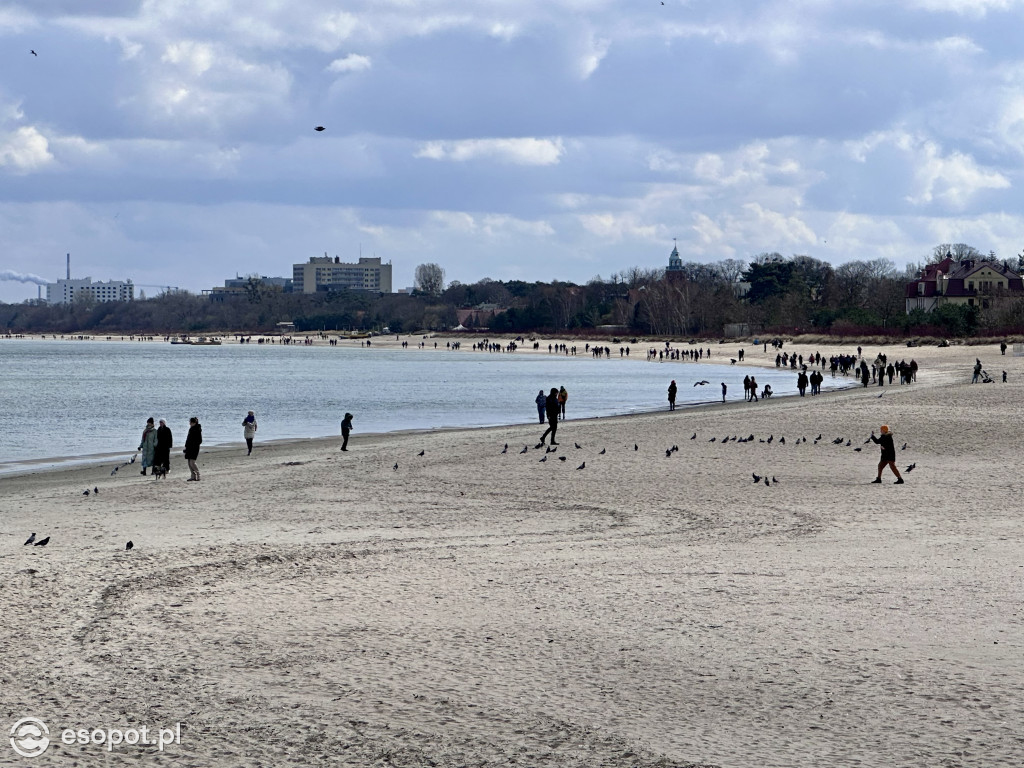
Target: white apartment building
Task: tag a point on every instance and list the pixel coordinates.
(322, 273)
(67, 291)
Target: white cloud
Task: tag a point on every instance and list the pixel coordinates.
(975, 8)
(521, 151)
(595, 49)
(351, 63)
(24, 150)
(954, 178)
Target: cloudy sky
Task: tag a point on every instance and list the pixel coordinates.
(172, 142)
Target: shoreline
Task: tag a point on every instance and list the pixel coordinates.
(429, 597)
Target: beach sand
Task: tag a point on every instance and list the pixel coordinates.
(471, 608)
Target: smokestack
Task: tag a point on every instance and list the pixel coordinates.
(69, 266)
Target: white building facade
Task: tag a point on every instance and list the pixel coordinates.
(68, 291)
(322, 273)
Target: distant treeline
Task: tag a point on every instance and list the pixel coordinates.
(770, 294)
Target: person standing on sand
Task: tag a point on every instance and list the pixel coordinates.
(563, 398)
(148, 444)
(249, 430)
(162, 452)
(888, 455)
(672, 389)
(541, 399)
(552, 408)
(346, 427)
(724, 388)
(192, 443)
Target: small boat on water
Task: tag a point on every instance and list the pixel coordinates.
(202, 341)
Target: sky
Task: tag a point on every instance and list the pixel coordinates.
(172, 142)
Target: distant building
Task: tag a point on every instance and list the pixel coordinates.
(68, 291)
(322, 273)
(237, 287)
(973, 282)
(675, 263)
(479, 316)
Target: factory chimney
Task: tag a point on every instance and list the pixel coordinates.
(69, 266)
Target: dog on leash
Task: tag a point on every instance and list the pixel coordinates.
(159, 472)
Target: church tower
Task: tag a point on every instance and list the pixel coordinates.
(675, 264)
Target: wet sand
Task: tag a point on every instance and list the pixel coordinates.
(307, 607)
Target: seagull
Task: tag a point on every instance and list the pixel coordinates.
(395, 467)
(525, 449)
(42, 542)
(849, 443)
(582, 466)
(701, 383)
(602, 452)
(318, 128)
(31, 539)
(911, 467)
(421, 453)
(544, 457)
(132, 459)
(36, 54)
(85, 492)
(883, 392)
(129, 546)
(757, 477)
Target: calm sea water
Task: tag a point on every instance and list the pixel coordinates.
(75, 399)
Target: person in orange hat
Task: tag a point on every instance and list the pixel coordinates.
(888, 454)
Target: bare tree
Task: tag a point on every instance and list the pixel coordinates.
(430, 279)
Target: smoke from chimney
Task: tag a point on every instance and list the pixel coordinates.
(10, 274)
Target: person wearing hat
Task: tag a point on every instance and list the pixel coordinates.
(672, 389)
(888, 454)
(249, 430)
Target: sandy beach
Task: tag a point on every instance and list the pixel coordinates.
(471, 607)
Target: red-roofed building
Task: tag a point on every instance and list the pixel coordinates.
(972, 281)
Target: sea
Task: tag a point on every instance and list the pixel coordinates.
(64, 400)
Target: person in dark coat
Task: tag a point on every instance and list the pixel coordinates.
(672, 389)
(164, 441)
(346, 427)
(553, 409)
(541, 400)
(192, 443)
(888, 454)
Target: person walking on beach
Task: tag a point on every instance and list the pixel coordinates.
(753, 389)
(552, 408)
(162, 453)
(724, 389)
(888, 454)
(563, 398)
(346, 428)
(541, 399)
(672, 389)
(148, 444)
(192, 443)
(249, 430)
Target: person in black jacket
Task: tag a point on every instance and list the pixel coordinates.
(192, 443)
(888, 454)
(553, 408)
(164, 441)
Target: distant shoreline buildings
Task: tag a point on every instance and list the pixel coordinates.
(322, 273)
(68, 291)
